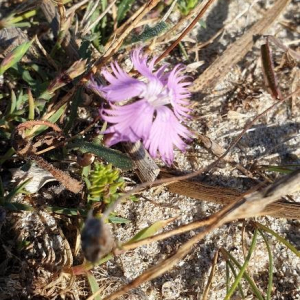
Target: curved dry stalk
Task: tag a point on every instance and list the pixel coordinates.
(249, 206)
(170, 33)
(29, 151)
(29, 124)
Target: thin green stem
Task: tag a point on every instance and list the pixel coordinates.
(244, 267)
(246, 276)
(270, 281)
(278, 237)
(234, 274)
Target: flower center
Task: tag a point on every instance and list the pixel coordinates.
(156, 93)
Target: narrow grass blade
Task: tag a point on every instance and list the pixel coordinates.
(13, 102)
(243, 268)
(149, 231)
(278, 237)
(9, 153)
(227, 277)
(14, 56)
(53, 119)
(270, 281)
(93, 284)
(255, 290)
(230, 266)
(16, 191)
(15, 206)
(30, 106)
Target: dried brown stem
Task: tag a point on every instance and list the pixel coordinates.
(185, 32)
(225, 196)
(29, 151)
(211, 275)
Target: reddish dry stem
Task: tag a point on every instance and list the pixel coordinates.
(66, 180)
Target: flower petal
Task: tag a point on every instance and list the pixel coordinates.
(122, 86)
(140, 63)
(166, 132)
(132, 122)
(179, 93)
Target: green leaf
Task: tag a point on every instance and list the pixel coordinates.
(150, 32)
(67, 211)
(14, 56)
(93, 284)
(149, 231)
(16, 206)
(284, 169)
(16, 190)
(123, 8)
(118, 220)
(116, 158)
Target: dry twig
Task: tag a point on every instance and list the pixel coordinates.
(235, 52)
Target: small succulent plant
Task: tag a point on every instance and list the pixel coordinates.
(105, 183)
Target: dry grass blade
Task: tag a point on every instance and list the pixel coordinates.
(249, 206)
(118, 40)
(186, 31)
(234, 53)
(268, 71)
(211, 275)
(225, 196)
(90, 26)
(170, 33)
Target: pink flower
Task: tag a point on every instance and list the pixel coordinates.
(160, 105)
